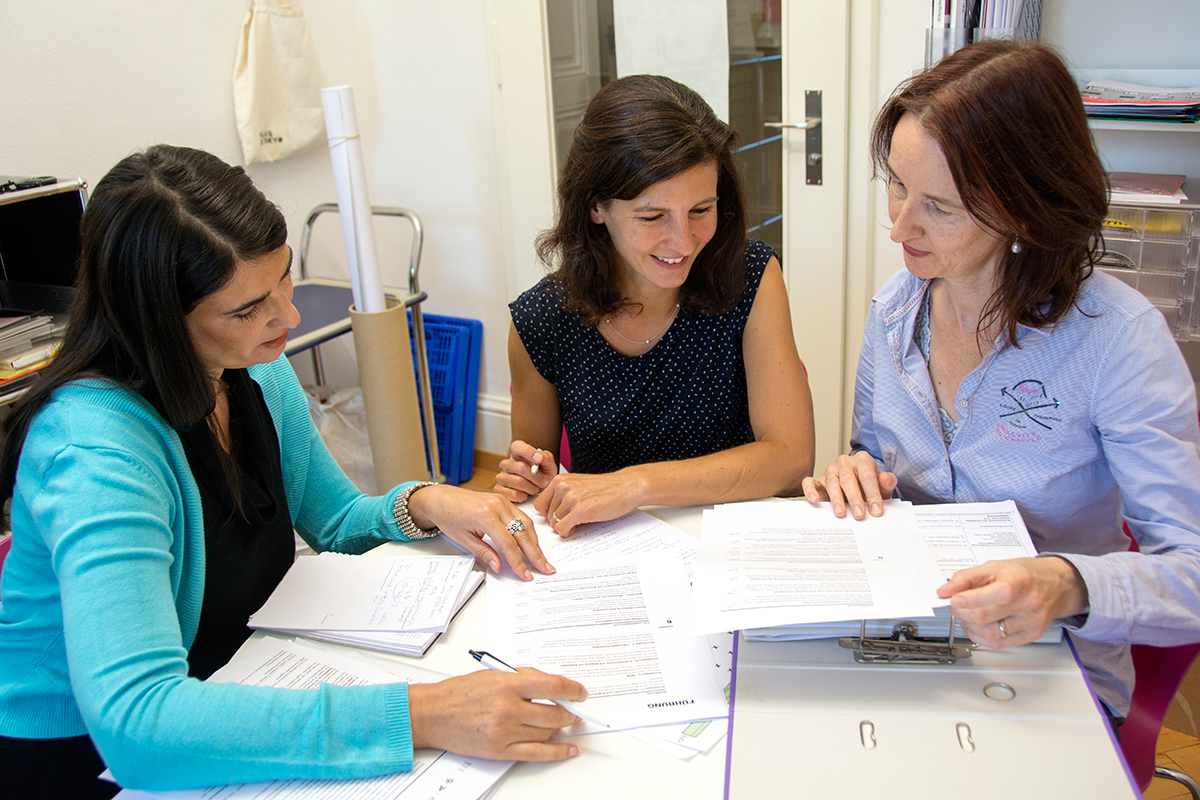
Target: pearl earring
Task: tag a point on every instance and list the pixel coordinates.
(1016, 246)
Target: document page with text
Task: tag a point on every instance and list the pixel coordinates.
(763, 564)
(297, 665)
(618, 627)
(335, 591)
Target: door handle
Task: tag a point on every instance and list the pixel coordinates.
(813, 172)
(810, 123)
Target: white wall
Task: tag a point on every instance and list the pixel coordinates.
(87, 83)
(902, 26)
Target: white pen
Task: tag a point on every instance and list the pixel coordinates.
(491, 662)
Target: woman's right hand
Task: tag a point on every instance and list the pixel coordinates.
(465, 517)
(492, 715)
(516, 479)
(853, 480)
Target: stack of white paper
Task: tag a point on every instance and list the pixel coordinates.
(958, 535)
(764, 564)
(395, 603)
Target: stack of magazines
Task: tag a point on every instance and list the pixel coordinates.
(1105, 99)
(27, 343)
(1140, 188)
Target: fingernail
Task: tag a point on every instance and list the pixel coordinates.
(839, 509)
(495, 565)
(572, 751)
(876, 509)
(548, 567)
(858, 512)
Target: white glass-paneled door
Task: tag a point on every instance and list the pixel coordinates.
(786, 61)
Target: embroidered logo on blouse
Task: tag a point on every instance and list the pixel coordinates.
(1027, 413)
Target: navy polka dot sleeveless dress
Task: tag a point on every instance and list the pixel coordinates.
(683, 398)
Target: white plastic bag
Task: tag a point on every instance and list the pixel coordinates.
(342, 423)
(277, 84)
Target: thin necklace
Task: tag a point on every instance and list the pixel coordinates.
(652, 338)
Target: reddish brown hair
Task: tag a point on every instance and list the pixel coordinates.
(1009, 119)
(638, 131)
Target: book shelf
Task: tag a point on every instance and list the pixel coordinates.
(1153, 47)
(1143, 127)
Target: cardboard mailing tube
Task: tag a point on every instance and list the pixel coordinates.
(389, 389)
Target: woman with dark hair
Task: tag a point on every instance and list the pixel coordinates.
(999, 366)
(662, 341)
(156, 472)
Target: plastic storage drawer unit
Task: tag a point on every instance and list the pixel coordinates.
(1156, 250)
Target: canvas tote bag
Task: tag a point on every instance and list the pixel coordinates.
(277, 84)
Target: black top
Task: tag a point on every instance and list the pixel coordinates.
(245, 558)
(683, 398)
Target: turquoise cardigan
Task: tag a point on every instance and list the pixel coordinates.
(102, 590)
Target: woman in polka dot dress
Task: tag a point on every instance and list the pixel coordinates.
(662, 340)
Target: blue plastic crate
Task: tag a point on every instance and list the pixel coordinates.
(453, 346)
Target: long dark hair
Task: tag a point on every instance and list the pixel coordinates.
(1009, 119)
(162, 230)
(638, 131)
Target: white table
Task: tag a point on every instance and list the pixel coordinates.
(611, 766)
(797, 729)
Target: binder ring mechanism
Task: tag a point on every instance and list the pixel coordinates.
(906, 645)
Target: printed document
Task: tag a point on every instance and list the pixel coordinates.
(962, 535)
(959, 535)
(627, 538)
(617, 627)
(763, 564)
(338, 592)
(405, 643)
(296, 665)
(622, 538)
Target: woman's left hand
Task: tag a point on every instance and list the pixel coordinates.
(464, 517)
(572, 499)
(1006, 603)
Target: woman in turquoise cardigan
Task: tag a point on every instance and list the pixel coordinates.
(156, 473)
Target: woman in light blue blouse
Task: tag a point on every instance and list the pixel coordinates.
(1000, 365)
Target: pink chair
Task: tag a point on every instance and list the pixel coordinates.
(1159, 671)
(5, 546)
(564, 451)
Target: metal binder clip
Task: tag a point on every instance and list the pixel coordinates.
(907, 646)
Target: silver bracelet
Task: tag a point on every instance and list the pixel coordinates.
(404, 520)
